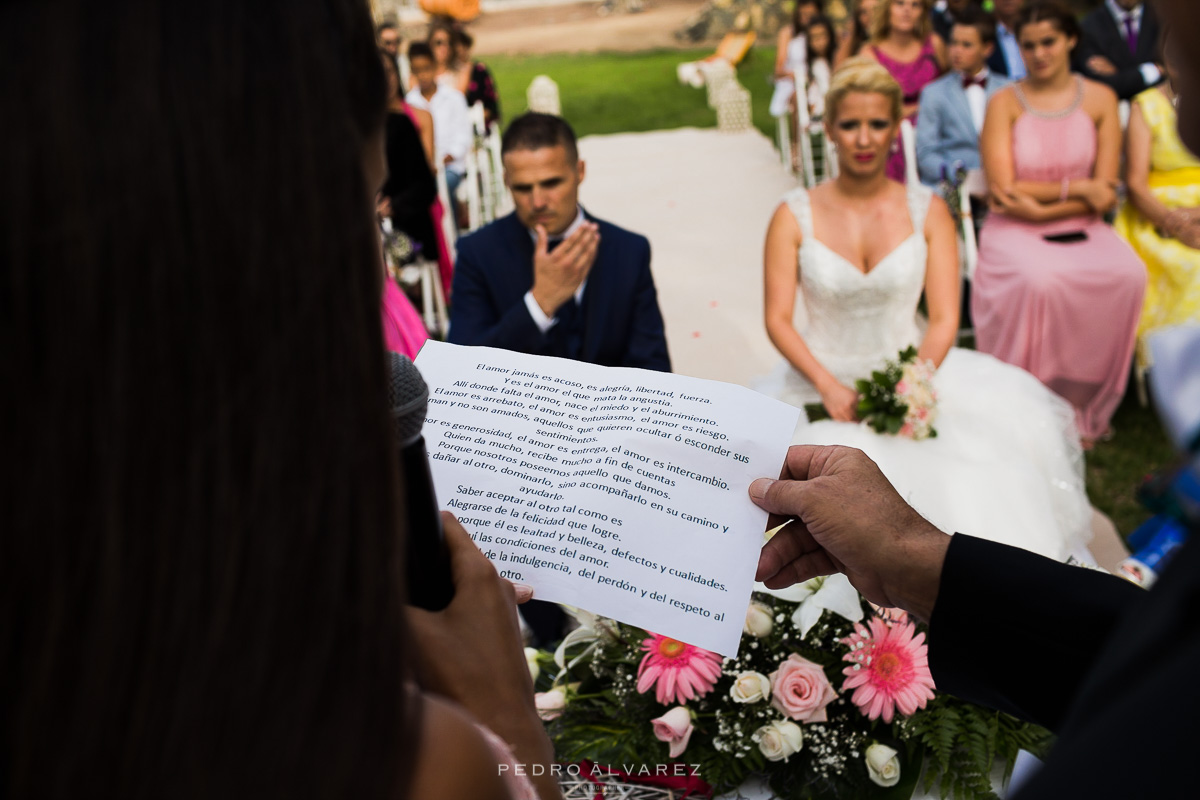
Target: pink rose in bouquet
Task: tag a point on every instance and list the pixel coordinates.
(675, 728)
(800, 690)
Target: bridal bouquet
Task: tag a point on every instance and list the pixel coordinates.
(829, 696)
(898, 400)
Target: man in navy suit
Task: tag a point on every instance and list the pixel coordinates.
(1006, 58)
(953, 106)
(549, 279)
(1120, 46)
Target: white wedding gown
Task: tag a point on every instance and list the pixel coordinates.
(1006, 464)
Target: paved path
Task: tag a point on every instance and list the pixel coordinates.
(704, 199)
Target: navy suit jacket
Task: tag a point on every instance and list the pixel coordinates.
(1102, 37)
(622, 324)
(945, 130)
(998, 62)
(1107, 666)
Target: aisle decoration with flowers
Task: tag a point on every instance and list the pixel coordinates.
(829, 696)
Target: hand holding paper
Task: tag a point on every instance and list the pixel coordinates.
(618, 490)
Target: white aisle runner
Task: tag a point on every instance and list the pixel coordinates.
(704, 199)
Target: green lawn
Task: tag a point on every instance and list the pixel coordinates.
(623, 92)
(626, 92)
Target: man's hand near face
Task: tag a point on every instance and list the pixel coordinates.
(558, 274)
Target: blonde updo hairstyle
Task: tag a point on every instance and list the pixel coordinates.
(867, 76)
(881, 25)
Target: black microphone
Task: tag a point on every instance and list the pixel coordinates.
(430, 585)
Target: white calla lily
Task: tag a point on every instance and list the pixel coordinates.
(591, 629)
(833, 593)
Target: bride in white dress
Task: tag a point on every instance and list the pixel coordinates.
(858, 252)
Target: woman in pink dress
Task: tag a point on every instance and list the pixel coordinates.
(903, 42)
(1057, 292)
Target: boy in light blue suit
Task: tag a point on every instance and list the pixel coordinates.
(953, 106)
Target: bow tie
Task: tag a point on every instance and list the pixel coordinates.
(969, 81)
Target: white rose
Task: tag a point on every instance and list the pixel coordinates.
(883, 766)
(531, 654)
(779, 740)
(758, 620)
(750, 687)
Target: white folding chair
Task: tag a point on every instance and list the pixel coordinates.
(470, 187)
(803, 138)
(447, 217)
(908, 141)
(783, 133)
(502, 200)
(426, 274)
(484, 165)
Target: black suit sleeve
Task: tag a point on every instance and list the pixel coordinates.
(647, 347)
(1102, 38)
(1018, 632)
(475, 318)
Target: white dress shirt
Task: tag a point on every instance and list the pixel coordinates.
(1150, 72)
(452, 130)
(540, 318)
(977, 99)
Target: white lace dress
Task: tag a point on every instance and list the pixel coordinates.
(1006, 463)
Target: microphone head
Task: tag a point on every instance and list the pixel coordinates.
(408, 395)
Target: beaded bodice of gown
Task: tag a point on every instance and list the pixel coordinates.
(857, 320)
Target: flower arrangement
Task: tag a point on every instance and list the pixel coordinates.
(899, 399)
(829, 696)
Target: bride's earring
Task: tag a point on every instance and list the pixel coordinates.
(895, 145)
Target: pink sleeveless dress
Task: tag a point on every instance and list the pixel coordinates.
(912, 76)
(403, 330)
(436, 212)
(1067, 313)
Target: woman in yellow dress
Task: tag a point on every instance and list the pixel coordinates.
(1161, 218)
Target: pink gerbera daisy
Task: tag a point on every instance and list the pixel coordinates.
(678, 671)
(889, 669)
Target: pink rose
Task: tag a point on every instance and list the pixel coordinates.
(674, 728)
(550, 704)
(901, 387)
(800, 690)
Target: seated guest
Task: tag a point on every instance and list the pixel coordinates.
(946, 12)
(441, 43)
(474, 79)
(1161, 219)
(452, 133)
(953, 106)
(1006, 59)
(1120, 42)
(552, 280)
(903, 42)
(1056, 292)
(549, 278)
(791, 55)
(857, 32)
(821, 51)
(387, 36)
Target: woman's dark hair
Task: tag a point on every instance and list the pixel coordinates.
(202, 550)
(463, 39)
(799, 4)
(860, 34)
(830, 48)
(1052, 11)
